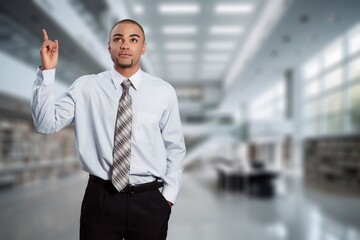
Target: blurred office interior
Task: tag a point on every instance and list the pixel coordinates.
(269, 96)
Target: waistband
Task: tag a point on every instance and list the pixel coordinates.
(130, 188)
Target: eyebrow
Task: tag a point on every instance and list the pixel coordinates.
(121, 35)
(134, 35)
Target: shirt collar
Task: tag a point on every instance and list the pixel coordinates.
(117, 78)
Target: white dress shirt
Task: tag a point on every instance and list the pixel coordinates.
(91, 103)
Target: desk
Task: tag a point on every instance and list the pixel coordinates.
(253, 182)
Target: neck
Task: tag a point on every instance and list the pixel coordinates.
(126, 72)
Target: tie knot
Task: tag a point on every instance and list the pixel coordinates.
(126, 84)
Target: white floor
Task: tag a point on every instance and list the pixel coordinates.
(51, 212)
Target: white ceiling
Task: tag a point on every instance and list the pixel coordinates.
(305, 28)
(193, 41)
(212, 69)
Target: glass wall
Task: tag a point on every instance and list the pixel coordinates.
(331, 81)
(270, 104)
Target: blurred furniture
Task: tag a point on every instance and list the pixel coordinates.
(257, 182)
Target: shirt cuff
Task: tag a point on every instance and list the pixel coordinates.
(47, 76)
(170, 194)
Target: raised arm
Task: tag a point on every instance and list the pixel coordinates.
(49, 52)
(51, 115)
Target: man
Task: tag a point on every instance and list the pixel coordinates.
(128, 136)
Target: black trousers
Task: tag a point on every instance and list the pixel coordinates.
(109, 215)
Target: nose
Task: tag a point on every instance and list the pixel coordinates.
(124, 46)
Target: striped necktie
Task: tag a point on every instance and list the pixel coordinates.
(122, 140)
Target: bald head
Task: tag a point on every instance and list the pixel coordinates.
(128, 21)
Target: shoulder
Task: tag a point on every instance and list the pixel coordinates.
(156, 83)
(93, 78)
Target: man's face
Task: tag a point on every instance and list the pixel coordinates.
(126, 45)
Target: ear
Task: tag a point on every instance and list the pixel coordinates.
(143, 49)
(109, 46)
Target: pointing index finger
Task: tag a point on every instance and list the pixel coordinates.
(45, 35)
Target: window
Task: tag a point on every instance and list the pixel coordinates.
(355, 107)
(354, 69)
(269, 105)
(354, 40)
(333, 54)
(312, 109)
(333, 124)
(355, 96)
(333, 103)
(332, 87)
(333, 79)
(312, 89)
(312, 68)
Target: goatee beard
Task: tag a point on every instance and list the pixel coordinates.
(124, 65)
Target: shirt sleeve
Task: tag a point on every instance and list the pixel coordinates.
(50, 115)
(175, 149)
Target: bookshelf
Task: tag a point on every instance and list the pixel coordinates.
(333, 163)
(27, 157)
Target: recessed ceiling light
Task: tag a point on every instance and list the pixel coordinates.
(228, 8)
(213, 57)
(180, 45)
(334, 18)
(180, 57)
(179, 8)
(221, 45)
(189, 92)
(227, 30)
(304, 18)
(179, 30)
(138, 9)
(286, 39)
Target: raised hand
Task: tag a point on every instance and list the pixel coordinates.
(49, 52)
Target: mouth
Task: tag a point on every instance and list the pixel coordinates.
(125, 55)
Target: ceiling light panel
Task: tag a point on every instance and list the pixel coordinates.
(138, 9)
(168, 8)
(180, 57)
(236, 8)
(221, 45)
(180, 45)
(182, 30)
(226, 30)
